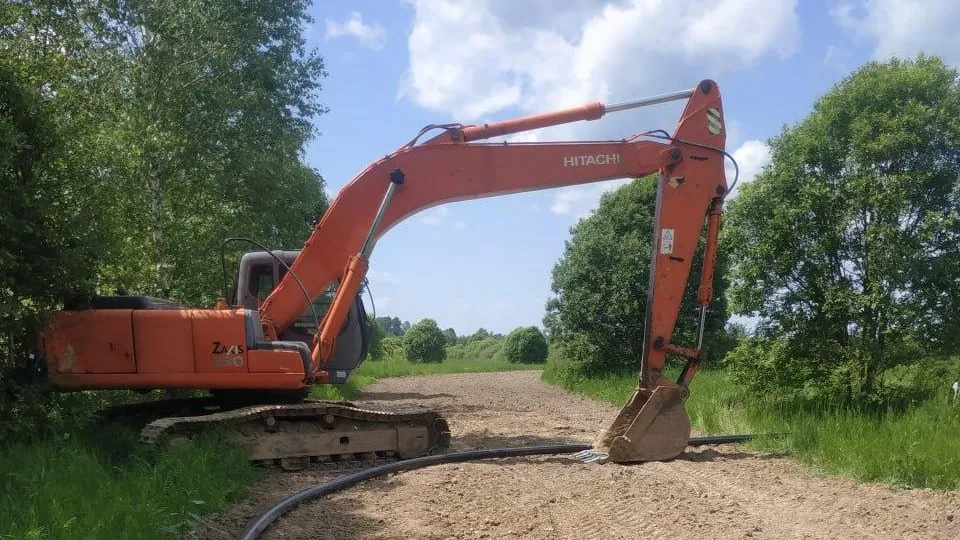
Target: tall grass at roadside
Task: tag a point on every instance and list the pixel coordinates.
(104, 485)
(912, 447)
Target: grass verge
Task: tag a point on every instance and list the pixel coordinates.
(915, 447)
(104, 485)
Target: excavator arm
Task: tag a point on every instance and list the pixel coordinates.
(454, 166)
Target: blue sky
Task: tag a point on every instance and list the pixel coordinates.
(395, 66)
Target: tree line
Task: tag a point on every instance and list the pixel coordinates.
(425, 341)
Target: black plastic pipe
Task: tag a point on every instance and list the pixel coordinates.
(261, 522)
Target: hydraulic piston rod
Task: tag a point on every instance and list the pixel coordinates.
(643, 102)
(590, 111)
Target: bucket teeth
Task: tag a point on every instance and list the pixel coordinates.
(591, 456)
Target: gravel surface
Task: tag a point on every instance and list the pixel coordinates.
(709, 492)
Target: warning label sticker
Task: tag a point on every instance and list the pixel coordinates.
(666, 241)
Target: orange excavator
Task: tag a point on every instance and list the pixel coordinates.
(295, 318)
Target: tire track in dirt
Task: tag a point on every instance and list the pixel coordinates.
(713, 492)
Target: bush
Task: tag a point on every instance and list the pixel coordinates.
(425, 342)
(525, 345)
(392, 347)
(487, 348)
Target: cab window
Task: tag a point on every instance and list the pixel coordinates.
(261, 280)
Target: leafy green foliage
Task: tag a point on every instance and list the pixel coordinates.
(480, 335)
(488, 348)
(393, 326)
(847, 246)
(425, 342)
(393, 347)
(376, 340)
(451, 336)
(600, 286)
(525, 345)
(136, 136)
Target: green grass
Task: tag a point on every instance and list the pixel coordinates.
(104, 485)
(915, 447)
(371, 370)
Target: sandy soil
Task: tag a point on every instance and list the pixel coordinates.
(711, 492)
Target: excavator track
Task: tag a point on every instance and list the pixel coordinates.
(294, 436)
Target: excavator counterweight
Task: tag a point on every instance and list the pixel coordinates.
(296, 320)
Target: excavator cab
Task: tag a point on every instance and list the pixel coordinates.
(259, 273)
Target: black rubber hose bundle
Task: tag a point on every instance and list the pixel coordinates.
(261, 522)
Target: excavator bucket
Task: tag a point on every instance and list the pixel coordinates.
(653, 426)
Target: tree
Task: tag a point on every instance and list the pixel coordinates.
(451, 336)
(480, 334)
(425, 342)
(847, 245)
(525, 345)
(600, 286)
(393, 326)
(185, 123)
(224, 95)
(376, 340)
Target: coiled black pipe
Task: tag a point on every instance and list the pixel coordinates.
(261, 522)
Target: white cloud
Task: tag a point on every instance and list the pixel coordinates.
(581, 201)
(904, 27)
(474, 58)
(751, 157)
(435, 217)
(839, 58)
(370, 36)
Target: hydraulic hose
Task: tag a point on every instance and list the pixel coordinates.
(262, 521)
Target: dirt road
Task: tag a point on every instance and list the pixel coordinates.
(713, 492)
